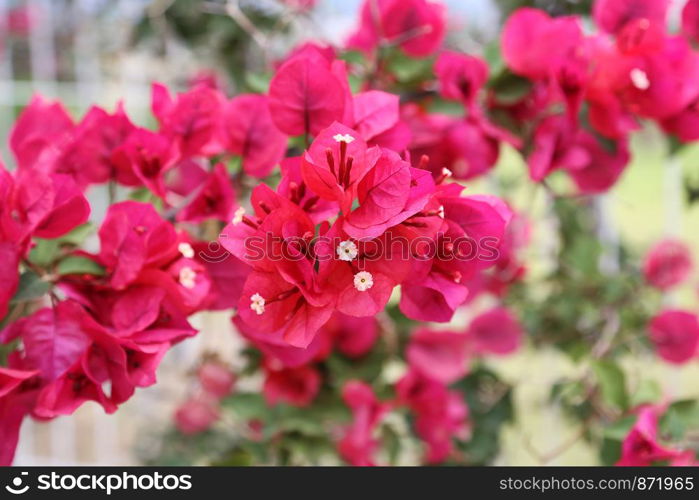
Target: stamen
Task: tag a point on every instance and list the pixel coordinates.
(350, 160)
(188, 277)
(265, 207)
(185, 250)
(363, 281)
(639, 78)
(238, 216)
(331, 161)
(424, 160)
(310, 202)
(346, 138)
(249, 222)
(257, 303)
(347, 251)
(343, 154)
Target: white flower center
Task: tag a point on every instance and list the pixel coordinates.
(440, 212)
(343, 138)
(238, 216)
(347, 250)
(363, 280)
(186, 250)
(257, 303)
(446, 172)
(639, 78)
(188, 277)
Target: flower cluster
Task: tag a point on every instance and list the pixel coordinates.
(326, 214)
(588, 91)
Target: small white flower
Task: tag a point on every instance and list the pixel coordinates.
(440, 212)
(186, 250)
(446, 172)
(639, 78)
(257, 303)
(363, 280)
(188, 277)
(347, 251)
(343, 138)
(238, 216)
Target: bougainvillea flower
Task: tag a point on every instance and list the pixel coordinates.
(295, 386)
(535, 45)
(216, 379)
(293, 187)
(434, 298)
(70, 208)
(376, 118)
(473, 230)
(441, 414)
(143, 159)
(389, 193)
(690, 20)
(11, 379)
(461, 76)
(249, 131)
(362, 274)
(613, 15)
(262, 240)
(53, 339)
(42, 204)
(271, 302)
(416, 26)
(466, 147)
(278, 350)
(227, 274)
(606, 163)
(193, 282)
(12, 413)
(641, 446)
(353, 337)
(685, 124)
(132, 236)
(214, 198)
(496, 331)
(42, 125)
(358, 444)
(554, 147)
(675, 335)
(305, 95)
(87, 156)
(667, 264)
(440, 355)
(192, 118)
(196, 415)
(655, 80)
(335, 163)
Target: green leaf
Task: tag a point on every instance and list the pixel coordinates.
(619, 429)
(78, 235)
(680, 417)
(407, 69)
(510, 88)
(612, 383)
(490, 407)
(79, 265)
(648, 391)
(44, 252)
(31, 287)
(247, 406)
(258, 82)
